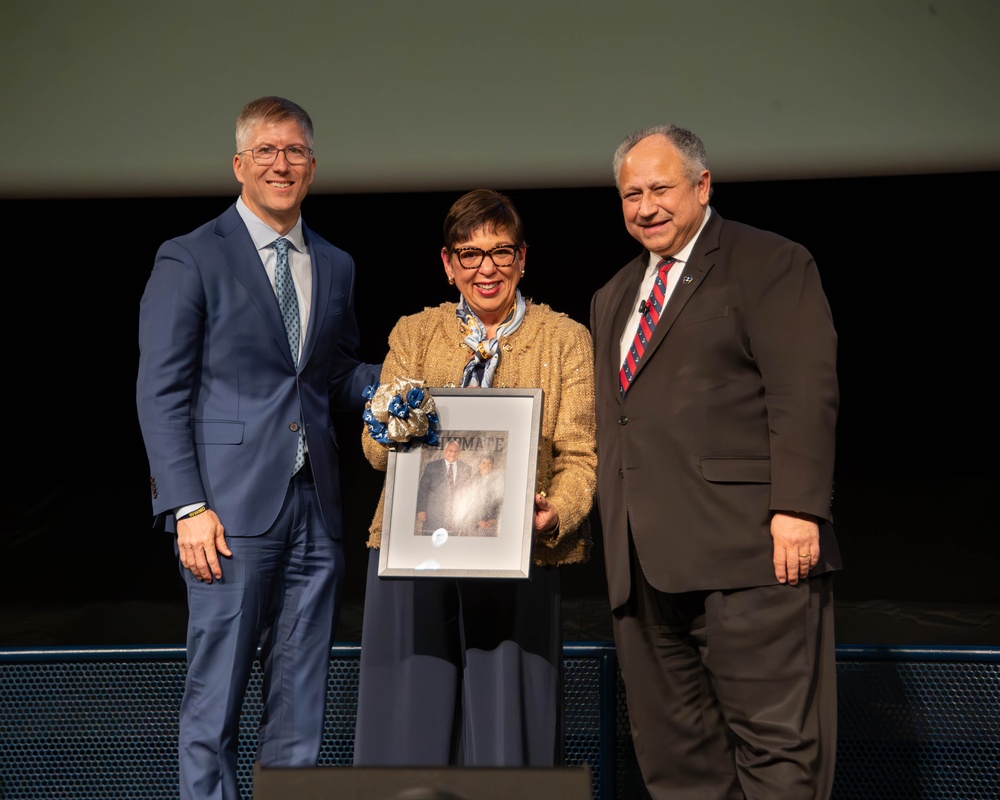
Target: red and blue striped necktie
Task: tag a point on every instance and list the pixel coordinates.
(647, 323)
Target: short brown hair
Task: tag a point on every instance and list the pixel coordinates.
(270, 110)
(481, 208)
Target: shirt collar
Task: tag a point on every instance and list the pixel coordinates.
(264, 235)
(684, 254)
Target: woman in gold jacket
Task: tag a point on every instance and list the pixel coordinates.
(462, 671)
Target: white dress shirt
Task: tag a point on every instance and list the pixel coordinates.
(646, 287)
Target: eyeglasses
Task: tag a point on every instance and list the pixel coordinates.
(472, 257)
(265, 155)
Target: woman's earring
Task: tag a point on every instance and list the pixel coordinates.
(451, 281)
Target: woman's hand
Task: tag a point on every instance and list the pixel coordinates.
(546, 516)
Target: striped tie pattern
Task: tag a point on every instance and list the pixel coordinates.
(647, 323)
(284, 287)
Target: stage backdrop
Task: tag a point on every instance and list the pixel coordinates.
(902, 261)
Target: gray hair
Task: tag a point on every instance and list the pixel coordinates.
(270, 110)
(691, 148)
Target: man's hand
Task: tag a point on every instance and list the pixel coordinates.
(200, 540)
(796, 546)
(546, 516)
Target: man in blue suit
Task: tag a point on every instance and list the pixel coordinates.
(248, 338)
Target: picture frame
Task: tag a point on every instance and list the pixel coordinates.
(464, 508)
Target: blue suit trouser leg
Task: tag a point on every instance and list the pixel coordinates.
(280, 591)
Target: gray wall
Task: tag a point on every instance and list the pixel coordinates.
(120, 98)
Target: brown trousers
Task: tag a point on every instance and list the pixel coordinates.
(733, 693)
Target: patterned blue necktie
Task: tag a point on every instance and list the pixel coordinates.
(289, 305)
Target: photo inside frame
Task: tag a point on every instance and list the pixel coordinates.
(461, 486)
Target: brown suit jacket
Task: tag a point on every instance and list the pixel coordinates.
(730, 416)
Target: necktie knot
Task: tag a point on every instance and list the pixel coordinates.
(281, 247)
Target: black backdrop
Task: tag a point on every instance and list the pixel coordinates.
(903, 260)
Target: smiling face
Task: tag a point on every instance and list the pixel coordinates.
(451, 451)
(489, 290)
(275, 192)
(663, 207)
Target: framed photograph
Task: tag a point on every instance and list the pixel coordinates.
(464, 507)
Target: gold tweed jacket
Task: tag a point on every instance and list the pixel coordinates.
(548, 351)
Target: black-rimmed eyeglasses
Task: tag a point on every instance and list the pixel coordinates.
(265, 155)
(472, 257)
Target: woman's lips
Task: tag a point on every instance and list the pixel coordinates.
(488, 289)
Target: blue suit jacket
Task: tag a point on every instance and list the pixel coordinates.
(219, 398)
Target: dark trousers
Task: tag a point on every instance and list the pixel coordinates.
(459, 672)
(280, 591)
(733, 693)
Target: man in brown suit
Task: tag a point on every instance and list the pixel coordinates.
(715, 444)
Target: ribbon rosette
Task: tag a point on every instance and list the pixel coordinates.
(400, 412)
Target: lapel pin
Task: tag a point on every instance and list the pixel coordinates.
(688, 279)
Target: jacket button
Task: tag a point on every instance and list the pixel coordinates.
(621, 473)
(623, 420)
(293, 427)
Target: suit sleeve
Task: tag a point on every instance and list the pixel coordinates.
(171, 333)
(348, 376)
(399, 362)
(424, 489)
(792, 338)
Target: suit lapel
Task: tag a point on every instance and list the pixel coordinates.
(623, 314)
(243, 259)
(322, 284)
(692, 274)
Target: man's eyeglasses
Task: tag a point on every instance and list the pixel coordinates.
(265, 155)
(472, 257)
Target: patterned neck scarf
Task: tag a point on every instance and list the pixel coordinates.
(486, 352)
